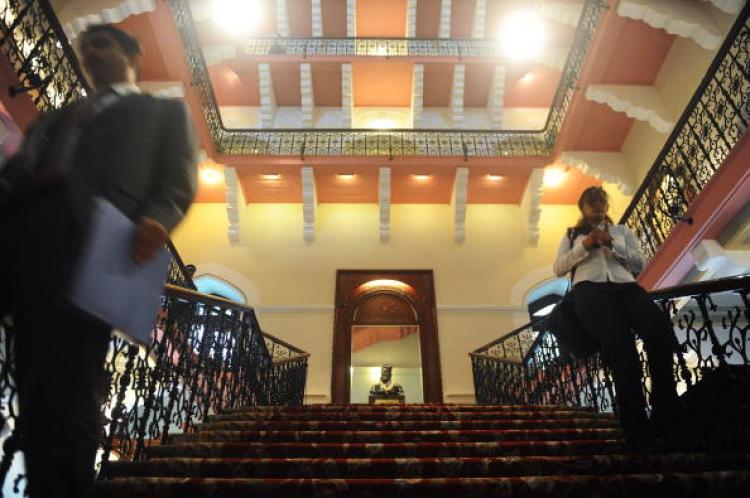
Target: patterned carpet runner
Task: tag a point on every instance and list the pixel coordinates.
(418, 451)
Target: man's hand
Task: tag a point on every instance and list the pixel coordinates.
(150, 235)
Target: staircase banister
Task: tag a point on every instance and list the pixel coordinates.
(707, 287)
(291, 347)
(283, 361)
(193, 295)
(507, 336)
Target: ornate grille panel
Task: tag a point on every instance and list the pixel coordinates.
(708, 129)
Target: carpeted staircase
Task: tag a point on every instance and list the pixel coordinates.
(418, 451)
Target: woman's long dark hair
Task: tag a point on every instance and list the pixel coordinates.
(591, 193)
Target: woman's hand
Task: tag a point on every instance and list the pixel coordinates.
(597, 238)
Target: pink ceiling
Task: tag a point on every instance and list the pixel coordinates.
(385, 18)
(286, 84)
(530, 85)
(382, 84)
(428, 18)
(438, 79)
(326, 78)
(606, 129)
(300, 17)
(153, 67)
(235, 88)
(462, 18)
(638, 55)
(334, 18)
(256, 189)
(477, 85)
(361, 188)
(437, 189)
(507, 190)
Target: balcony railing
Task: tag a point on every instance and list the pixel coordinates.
(712, 123)
(207, 355)
(711, 325)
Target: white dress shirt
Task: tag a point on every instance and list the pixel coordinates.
(601, 264)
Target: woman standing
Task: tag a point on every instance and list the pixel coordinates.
(610, 305)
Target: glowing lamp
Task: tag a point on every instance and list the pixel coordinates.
(522, 35)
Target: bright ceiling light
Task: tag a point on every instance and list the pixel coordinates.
(238, 17)
(346, 176)
(271, 176)
(553, 177)
(211, 176)
(422, 177)
(495, 178)
(522, 35)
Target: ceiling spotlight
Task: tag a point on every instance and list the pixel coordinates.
(553, 177)
(211, 176)
(271, 176)
(522, 35)
(238, 17)
(346, 176)
(422, 177)
(495, 178)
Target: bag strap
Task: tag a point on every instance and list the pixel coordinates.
(570, 234)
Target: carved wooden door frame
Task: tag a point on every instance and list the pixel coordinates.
(419, 291)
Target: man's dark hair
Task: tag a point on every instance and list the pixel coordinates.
(127, 42)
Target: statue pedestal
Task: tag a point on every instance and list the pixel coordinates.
(387, 399)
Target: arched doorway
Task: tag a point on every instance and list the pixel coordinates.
(390, 312)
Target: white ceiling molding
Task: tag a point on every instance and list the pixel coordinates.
(417, 95)
(677, 17)
(460, 194)
(411, 19)
(77, 15)
(445, 19)
(457, 94)
(605, 166)
(566, 13)
(531, 205)
(716, 262)
(267, 95)
(164, 89)
(479, 23)
(233, 208)
(347, 102)
(317, 18)
(282, 18)
(728, 6)
(351, 18)
(384, 203)
(306, 94)
(217, 53)
(643, 103)
(309, 201)
(496, 98)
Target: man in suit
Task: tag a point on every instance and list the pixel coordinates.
(139, 153)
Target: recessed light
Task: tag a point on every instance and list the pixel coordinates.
(271, 176)
(346, 176)
(554, 177)
(422, 177)
(495, 178)
(211, 176)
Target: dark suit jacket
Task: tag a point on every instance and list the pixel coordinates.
(139, 153)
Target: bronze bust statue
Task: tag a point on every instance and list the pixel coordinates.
(386, 386)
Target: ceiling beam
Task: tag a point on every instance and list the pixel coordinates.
(479, 23)
(693, 20)
(457, 94)
(309, 201)
(496, 98)
(531, 205)
(411, 18)
(306, 94)
(351, 18)
(267, 95)
(417, 95)
(282, 18)
(76, 15)
(459, 201)
(317, 18)
(347, 99)
(384, 203)
(640, 102)
(232, 193)
(605, 166)
(445, 19)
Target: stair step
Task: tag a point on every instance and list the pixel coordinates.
(388, 450)
(729, 484)
(406, 415)
(407, 436)
(423, 467)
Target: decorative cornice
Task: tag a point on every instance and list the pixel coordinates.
(351, 18)
(676, 17)
(728, 6)
(605, 166)
(347, 100)
(316, 18)
(566, 13)
(445, 19)
(411, 18)
(306, 94)
(308, 204)
(80, 20)
(457, 95)
(282, 18)
(233, 209)
(267, 95)
(417, 95)
(460, 194)
(643, 103)
(479, 23)
(531, 209)
(384, 203)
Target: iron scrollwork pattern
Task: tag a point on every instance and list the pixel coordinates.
(711, 325)
(38, 51)
(390, 143)
(708, 129)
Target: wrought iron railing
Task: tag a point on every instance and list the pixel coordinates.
(390, 143)
(712, 123)
(178, 274)
(207, 355)
(711, 324)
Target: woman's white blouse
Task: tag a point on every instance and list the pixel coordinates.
(602, 264)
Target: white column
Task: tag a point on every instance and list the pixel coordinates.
(479, 24)
(282, 18)
(417, 95)
(445, 19)
(457, 94)
(267, 95)
(384, 203)
(460, 194)
(495, 102)
(347, 102)
(351, 18)
(233, 209)
(308, 204)
(411, 19)
(317, 18)
(306, 94)
(531, 209)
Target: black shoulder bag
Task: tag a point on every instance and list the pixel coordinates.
(563, 321)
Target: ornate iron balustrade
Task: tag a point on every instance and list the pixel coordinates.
(372, 47)
(38, 50)
(708, 129)
(207, 355)
(178, 274)
(711, 323)
(391, 143)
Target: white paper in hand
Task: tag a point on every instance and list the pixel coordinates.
(109, 285)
